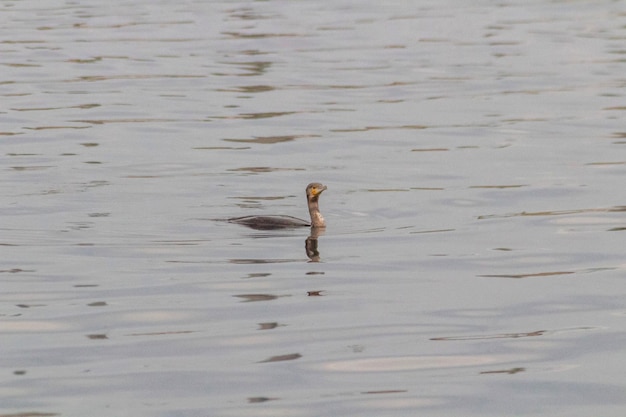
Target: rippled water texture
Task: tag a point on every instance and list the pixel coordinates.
(473, 263)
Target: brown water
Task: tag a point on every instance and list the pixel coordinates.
(473, 262)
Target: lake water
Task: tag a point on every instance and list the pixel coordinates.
(474, 260)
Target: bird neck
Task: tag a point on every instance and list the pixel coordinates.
(316, 217)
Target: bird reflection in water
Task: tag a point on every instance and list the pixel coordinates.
(310, 244)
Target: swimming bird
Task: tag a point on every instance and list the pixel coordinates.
(313, 192)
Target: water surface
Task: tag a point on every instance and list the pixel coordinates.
(473, 262)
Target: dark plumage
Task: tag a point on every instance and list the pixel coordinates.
(313, 192)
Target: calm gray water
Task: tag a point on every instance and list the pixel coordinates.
(473, 263)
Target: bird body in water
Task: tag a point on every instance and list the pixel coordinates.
(313, 192)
